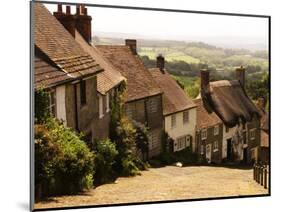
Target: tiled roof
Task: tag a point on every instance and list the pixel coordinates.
(205, 119)
(47, 75)
(56, 42)
(110, 77)
(230, 102)
(174, 97)
(140, 83)
(264, 139)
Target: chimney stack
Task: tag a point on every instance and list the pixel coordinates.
(66, 19)
(160, 62)
(84, 23)
(205, 80)
(240, 75)
(261, 103)
(132, 44)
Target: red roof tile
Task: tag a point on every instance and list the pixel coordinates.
(110, 77)
(140, 83)
(174, 97)
(205, 119)
(58, 45)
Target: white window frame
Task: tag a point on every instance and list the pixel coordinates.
(152, 140)
(100, 97)
(173, 120)
(216, 130)
(252, 134)
(152, 105)
(216, 146)
(204, 134)
(107, 102)
(184, 119)
(52, 104)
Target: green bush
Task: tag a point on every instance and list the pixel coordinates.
(41, 106)
(105, 158)
(63, 162)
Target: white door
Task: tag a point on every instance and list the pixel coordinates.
(209, 153)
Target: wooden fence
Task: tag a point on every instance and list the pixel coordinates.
(261, 175)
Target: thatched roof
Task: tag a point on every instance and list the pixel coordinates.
(229, 101)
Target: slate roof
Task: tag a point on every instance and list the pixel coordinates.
(204, 118)
(174, 97)
(59, 46)
(140, 83)
(110, 77)
(230, 102)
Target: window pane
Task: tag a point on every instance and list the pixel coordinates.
(83, 92)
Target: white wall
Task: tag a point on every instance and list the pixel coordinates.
(182, 129)
(60, 103)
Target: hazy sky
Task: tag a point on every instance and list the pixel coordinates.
(215, 29)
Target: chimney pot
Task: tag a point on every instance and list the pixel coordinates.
(68, 10)
(132, 44)
(84, 24)
(240, 75)
(205, 80)
(77, 10)
(59, 8)
(85, 11)
(160, 62)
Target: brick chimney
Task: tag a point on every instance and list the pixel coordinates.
(205, 80)
(160, 62)
(132, 44)
(84, 22)
(261, 103)
(66, 19)
(240, 75)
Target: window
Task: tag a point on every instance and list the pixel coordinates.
(185, 117)
(226, 129)
(107, 102)
(216, 130)
(52, 101)
(216, 146)
(204, 134)
(179, 144)
(83, 99)
(100, 106)
(152, 140)
(152, 105)
(187, 140)
(202, 149)
(129, 110)
(173, 121)
(252, 134)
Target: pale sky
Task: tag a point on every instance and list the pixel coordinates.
(214, 29)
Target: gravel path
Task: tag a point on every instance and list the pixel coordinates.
(167, 183)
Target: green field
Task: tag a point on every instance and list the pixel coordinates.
(169, 53)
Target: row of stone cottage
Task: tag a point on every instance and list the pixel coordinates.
(82, 79)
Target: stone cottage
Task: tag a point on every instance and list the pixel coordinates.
(209, 134)
(241, 118)
(179, 110)
(66, 71)
(108, 81)
(143, 98)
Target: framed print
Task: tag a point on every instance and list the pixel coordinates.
(134, 105)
